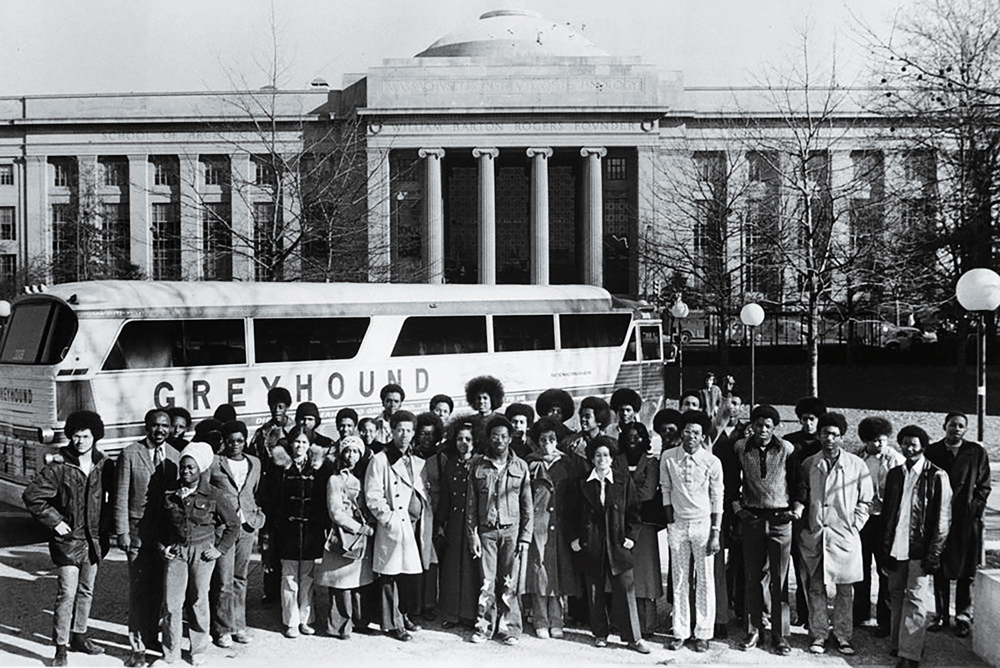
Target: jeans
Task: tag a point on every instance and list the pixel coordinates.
(145, 596)
(499, 607)
(550, 611)
(73, 599)
(843, 604)
(766, 543)
(229, 586)
(186, 580)
(345, 611)
(689, 544)
(296, 591)
(911, 597)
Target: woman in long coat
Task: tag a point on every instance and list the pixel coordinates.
(459, 585)
(645, 471)
(344, 575)
(968, 469)
(551, 576)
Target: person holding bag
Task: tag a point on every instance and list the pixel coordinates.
(347, 556)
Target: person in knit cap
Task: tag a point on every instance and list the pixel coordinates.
(307, 418)
(70, 497)
(197, 524)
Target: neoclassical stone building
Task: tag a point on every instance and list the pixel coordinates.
(510, 151)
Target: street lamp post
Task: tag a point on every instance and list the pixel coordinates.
(978, 291)
(752, 315)
(680, 311)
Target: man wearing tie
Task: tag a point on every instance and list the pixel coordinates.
(144, 471)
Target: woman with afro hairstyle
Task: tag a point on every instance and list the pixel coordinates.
(485, 396)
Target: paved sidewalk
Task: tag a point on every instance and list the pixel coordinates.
(27, 590)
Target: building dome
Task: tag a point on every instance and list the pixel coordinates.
(512, 33)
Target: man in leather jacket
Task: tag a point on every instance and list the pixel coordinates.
(917, 514)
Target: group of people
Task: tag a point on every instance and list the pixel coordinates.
(491, 519)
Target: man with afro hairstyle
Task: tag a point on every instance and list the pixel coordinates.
(625, 404)
(484, 395)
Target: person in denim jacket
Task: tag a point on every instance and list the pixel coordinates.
(499, 516)
(197, 525)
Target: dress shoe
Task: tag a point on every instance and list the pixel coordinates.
(60, 658)
(600, 642)
(701, 645)
(510, 641)
(675, 644)
(846, 648)
(409, 625)
(817, 646)
(750, 641)
(224, 641)
(639, 646)
(306, 630)
(401, 635)
(79, 642)
(478, 638)
(781, 646)
(291, 632)
(556, 632)
(962, 629)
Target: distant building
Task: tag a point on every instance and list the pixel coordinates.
(511, 151)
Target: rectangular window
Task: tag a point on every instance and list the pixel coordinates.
(441, 335)
(8, 270)
(164, 344)
(920, 166)
(166, 243)
(164, 172)
(61, 173)
(617, 168)
(650, 338)
(6, 175)
(523, 332)
(268, 232)
(308, 339)
(64, 240)
(218, 242)
(116, 234)
(216, 171)
(264, 171)
(39, 332)
(7, 228)
(113, 172)
(593, 330)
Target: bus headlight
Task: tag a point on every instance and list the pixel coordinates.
(46, 434)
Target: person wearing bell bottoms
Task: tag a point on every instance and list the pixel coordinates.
(692, 487)
(498, 524)
(881, 457)
(196, 525)
(917, 512)
(770, 499)
(604, 528)
(968, 469)
(550, 576)
(730, 590)
(70, 496)
(143, 472)
(237, 474)
(838, 492)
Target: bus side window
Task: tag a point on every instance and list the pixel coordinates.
(308, 339)
(164, 344)
(523, 332)
(649, 338)
(593, 330)
(441, 335)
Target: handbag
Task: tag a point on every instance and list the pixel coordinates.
(346, 544)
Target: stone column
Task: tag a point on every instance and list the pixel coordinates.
(242, 217)
(539, 214)
(140, 244)
(192, 227)
(593, 217)
(487, 215)
(379, 216)
(38, 218)
(433, 214)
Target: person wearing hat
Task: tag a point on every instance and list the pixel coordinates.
(237, 474)
(70, 497)
(197, 524)
(307, 418)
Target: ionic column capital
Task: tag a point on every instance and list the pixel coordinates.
(431, 153)
(598, 151)
(540, 151)
(485, 152)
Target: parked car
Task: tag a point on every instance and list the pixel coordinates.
(903, 338)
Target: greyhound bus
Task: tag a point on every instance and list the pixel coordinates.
(123, 347)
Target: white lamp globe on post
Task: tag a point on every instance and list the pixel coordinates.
(752, 315)
(978, 291)
(679, 311)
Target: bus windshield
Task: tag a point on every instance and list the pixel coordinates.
(39, 332)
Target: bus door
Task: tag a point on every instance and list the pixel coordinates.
(642, 367)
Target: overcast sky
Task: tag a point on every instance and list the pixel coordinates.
(67, 46)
